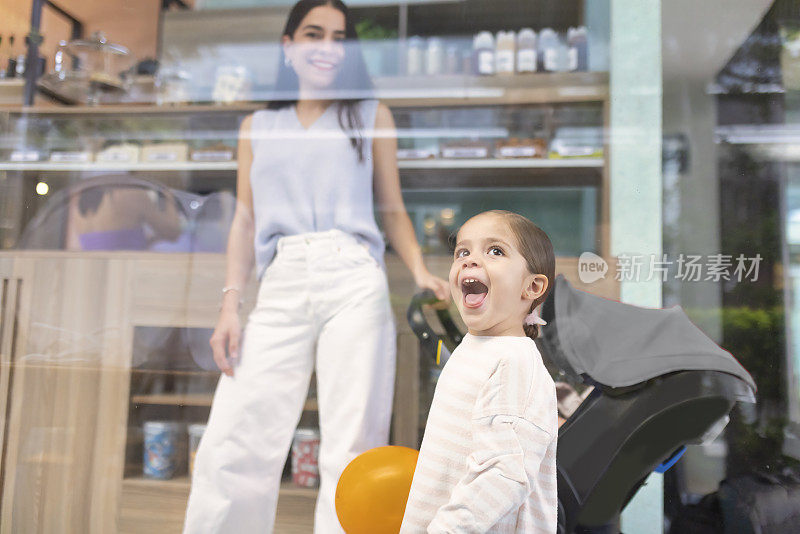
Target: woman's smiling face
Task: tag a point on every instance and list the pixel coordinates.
(317, 49)
(489, 278)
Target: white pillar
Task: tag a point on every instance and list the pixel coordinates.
(635, 181)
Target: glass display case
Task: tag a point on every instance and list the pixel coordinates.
(48, 155)
(477, 152)
(544, 161)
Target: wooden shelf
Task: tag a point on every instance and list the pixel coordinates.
(182, 166)
(174, 399)
(158, 506)
(131, 108)
(485, 163)
(11, 91)
(454, 90)
(404, 91)
(184, 483)
(492, 163)
(140, 482)
(174, 373)
(193, 399)
(289, 488)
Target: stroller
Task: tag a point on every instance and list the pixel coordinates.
(658, 382)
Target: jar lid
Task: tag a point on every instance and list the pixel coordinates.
(484, 40)
(308, 433)
(162, 425)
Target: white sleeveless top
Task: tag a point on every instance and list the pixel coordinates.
(310, 179)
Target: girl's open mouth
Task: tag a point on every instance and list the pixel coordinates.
(474, 292)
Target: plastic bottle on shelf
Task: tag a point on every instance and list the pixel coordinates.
(548, 50)
(434, 64)
(579, 48)
(11, 69)
(526, 50)
(505, 52)
(21, 65)
(483, 54)
(60, 57)
(467, 61)
(452, 60)
(565, 60)
(414, 56)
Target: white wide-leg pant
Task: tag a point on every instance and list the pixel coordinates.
(323, 304)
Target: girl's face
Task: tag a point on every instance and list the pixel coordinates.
(489, 279)
(316, 50)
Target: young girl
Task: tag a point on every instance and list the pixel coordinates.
(308, 167)
(488, 458)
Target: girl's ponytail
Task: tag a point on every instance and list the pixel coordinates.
(536, 248)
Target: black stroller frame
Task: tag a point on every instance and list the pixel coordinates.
(621, 432)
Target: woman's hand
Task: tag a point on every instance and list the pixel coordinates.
(226, 338)
(425, 280)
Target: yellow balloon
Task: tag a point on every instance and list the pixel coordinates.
(373, 489)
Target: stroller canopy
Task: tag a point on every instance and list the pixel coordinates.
(620, 345)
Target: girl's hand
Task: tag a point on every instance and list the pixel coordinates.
(439, 286)
(226, 338)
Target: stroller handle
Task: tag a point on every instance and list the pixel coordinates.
(436, 345)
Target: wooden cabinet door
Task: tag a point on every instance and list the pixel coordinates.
(64, 392)
(10, 292)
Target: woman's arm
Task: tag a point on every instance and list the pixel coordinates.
(399, 230)
(241, 253)
(240, 257)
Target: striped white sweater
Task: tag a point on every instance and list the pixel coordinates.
(488, 458)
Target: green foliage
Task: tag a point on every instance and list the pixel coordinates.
(369, 30)
(756, 338)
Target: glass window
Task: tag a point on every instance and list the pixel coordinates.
(227, 260)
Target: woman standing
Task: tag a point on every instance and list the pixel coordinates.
(307, 171)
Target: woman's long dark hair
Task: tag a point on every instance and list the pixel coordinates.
(352, 81)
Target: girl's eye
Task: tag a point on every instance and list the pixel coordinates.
(314, 35)
(496, 251)
(460, 253)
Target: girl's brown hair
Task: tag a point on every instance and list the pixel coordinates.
(536, 248)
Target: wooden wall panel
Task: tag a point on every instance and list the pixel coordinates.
(132, 23)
